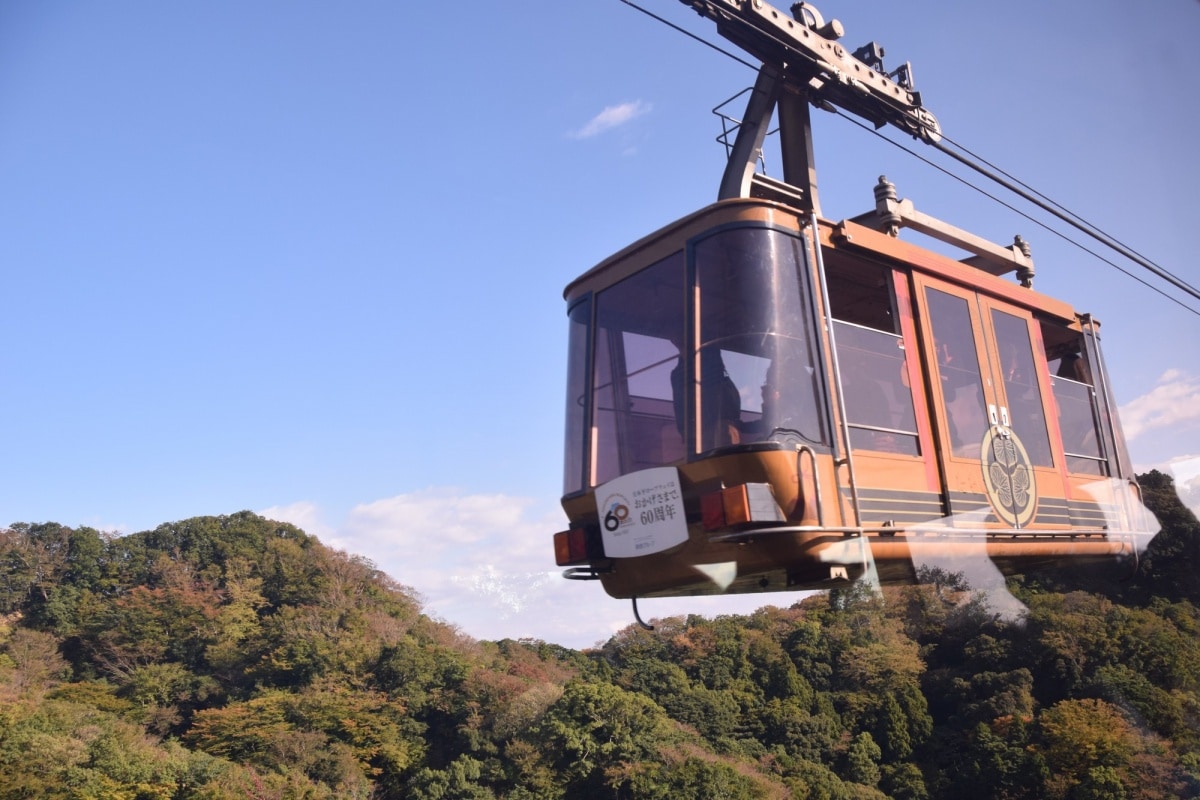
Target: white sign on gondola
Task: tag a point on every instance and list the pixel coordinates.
(641, 513)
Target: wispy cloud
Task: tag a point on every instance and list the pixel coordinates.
(1174, 400)
(612, 117)
(484, 562)
(303, 515)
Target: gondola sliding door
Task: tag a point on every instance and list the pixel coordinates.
(988, 401)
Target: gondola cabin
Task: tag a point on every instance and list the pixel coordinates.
(761, 399)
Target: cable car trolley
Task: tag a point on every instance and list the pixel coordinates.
(761, 399)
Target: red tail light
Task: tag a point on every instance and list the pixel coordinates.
(571, 547)
(735, 505)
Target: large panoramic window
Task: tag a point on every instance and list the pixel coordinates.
(879, 405)
(755, 377)
(637, 421)
(654, 382)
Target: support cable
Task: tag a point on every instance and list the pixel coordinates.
(1027, 216)
(691, 35)
(1057, 205)
(1004, 179)
(1067, 216)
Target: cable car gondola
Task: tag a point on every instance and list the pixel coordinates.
(761, 399)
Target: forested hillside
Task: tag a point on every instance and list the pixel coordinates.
(236, 657)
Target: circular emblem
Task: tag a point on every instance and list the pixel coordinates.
(1008, 477)
(616, 514)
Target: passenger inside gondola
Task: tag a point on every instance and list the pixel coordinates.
(720, 401)
(1073, 367)
(958, 369)
(1027, 416)
(1073, 394)
(1022, 388)
(788, 401)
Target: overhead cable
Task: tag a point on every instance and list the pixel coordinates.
(1019, 212)
(1070, 218)
(1014, 185)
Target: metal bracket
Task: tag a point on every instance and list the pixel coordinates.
(803, 63)
(891, 214)
(805, 51)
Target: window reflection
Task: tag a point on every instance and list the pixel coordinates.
(879, 405)
(757, 367)
(1027, 417)
(574, 478)
(1075, 397)
(958, 371)
(639, 325)
(654, 401)
(871, 355)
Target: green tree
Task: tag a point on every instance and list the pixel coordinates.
(237, 640)
(1068, 639)
(172, 621)
(458, 781)
(697, 775)
(32, 561)
(862, 760)
(243, 732)
(1100, 783)
(596, 732)
(999, 763)
(903, 782)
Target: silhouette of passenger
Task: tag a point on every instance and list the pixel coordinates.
(962, 394)
(1074, 368)
(720, 401)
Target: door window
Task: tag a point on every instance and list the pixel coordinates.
(958, 371)
(1022, 390)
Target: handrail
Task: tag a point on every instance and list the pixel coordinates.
(844, 426)
(801, 449)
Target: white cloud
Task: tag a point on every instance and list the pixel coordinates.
(303, 515)
(440, 540)
(612, 117)
(485, 563)
(1175, 400)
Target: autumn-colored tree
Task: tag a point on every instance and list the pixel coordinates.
(30, 664)
(231, 657)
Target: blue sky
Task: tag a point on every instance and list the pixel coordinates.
(306, 258)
